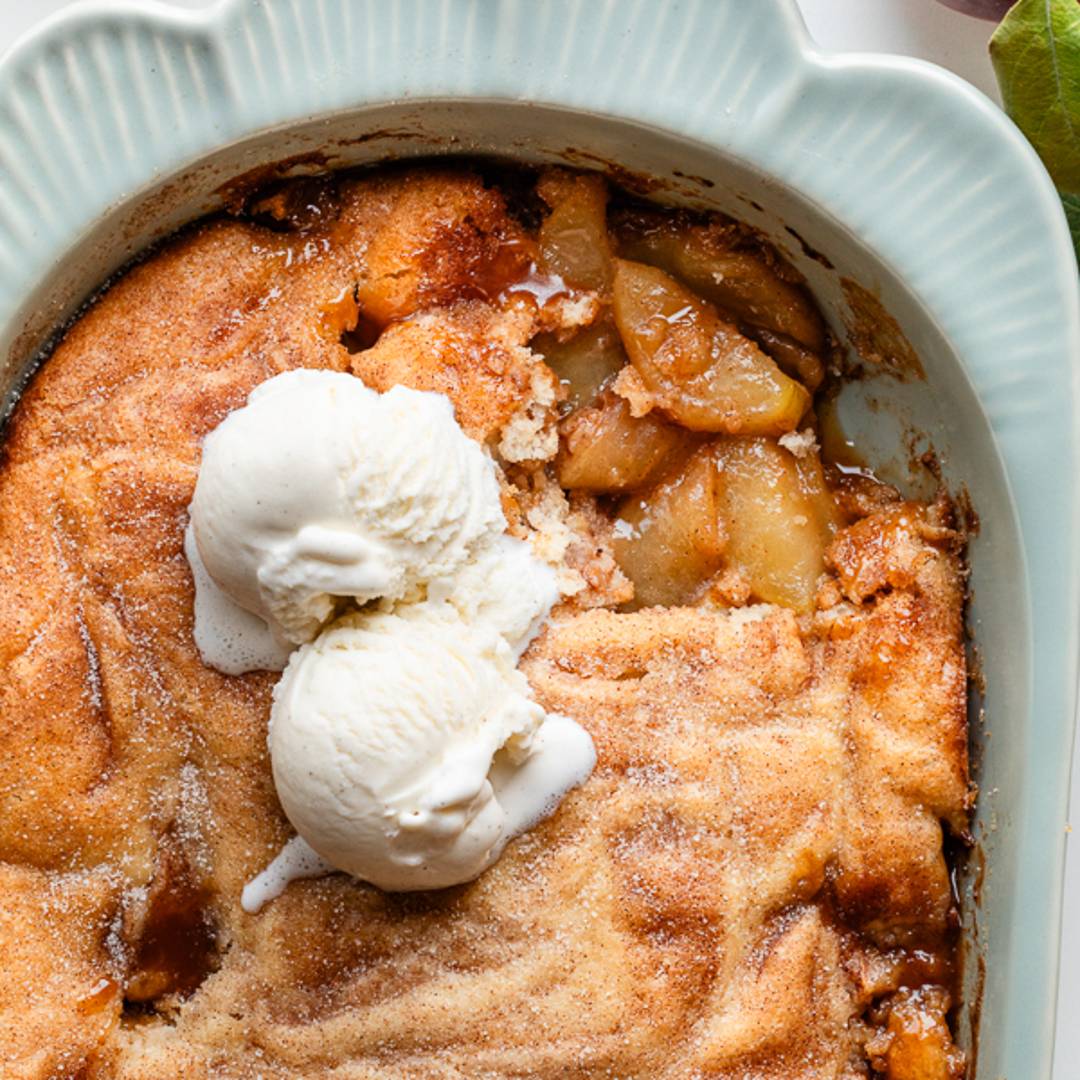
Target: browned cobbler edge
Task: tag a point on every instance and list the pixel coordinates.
(767, 651)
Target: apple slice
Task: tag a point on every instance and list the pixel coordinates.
(736, 280)
(584, 362)
(698, 368)
(780, 517)
(573, 237)
(605, 449)
(791, 358)
(670, 540)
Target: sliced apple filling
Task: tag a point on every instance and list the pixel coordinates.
(684, 400)
(700, 370)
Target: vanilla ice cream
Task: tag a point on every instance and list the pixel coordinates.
(320, 489)
(406, 746)
(358, 541)
(384, 734)
(504, 586)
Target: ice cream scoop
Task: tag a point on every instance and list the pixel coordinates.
(505, 586)
(320, 490)
(383, 736)
(358, 541)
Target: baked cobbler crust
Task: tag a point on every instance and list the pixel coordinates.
(753, 869)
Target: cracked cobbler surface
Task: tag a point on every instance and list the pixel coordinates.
(767, 653)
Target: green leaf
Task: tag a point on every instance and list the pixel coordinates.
(1036, 56)
(1072, 215)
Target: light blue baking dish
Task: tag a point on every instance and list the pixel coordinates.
(120, 121)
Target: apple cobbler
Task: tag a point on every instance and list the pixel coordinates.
(765, 649)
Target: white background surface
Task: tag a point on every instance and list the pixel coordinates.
(921, 28)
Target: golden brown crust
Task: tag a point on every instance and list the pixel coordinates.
(715, 901)
(468, 351)
(432, 236)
